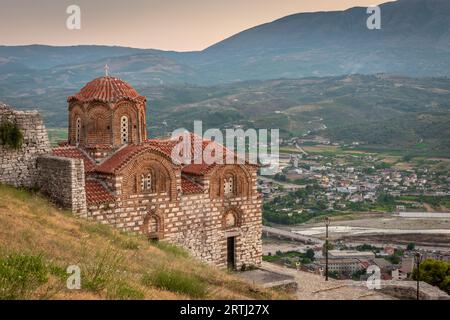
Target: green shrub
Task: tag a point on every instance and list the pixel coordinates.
(436, 273)
(21, 275)
(176, 281)
(11, 135)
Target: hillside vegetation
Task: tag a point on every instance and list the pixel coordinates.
(382, 111)
(379, 111)
(38, 242)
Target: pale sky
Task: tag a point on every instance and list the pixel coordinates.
(180, 25)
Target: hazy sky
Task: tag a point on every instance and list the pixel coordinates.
(162, 24)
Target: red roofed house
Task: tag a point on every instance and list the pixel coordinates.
(214, 211)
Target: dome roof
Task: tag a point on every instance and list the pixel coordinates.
(106, 89)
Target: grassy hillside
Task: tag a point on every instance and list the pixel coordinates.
(38, 242)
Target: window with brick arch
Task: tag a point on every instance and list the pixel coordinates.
(228, 186)
(78, 130)
(124, 129)
(146, 182)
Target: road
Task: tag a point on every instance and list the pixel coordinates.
(288, 235)
(291, 235)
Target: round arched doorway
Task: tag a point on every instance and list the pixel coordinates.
(153, 227)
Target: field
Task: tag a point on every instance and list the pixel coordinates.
(56, 135)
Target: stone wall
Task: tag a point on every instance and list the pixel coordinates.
(194, 221)
(18, 167)
(407, 290)
(63, 181)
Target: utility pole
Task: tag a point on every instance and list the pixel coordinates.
(327, 223)
(418, 258)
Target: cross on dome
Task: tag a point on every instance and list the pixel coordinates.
(106, 70)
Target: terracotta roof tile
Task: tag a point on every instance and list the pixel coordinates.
(97, 193)
(189, 187)
(164, 147)
(64, 143)
(107, 89)
(121, 157)
(74, 153)
(197, 169)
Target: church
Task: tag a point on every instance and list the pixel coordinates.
(132, 183)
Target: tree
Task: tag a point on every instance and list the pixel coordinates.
(10, 135)
(394, 259)
(310, 254)
(407, 158)
(436, 273)
(411, 246)
(280, 177)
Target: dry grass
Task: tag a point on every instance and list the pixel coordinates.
(113, 265)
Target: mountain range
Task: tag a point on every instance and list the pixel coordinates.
(322, 48)
(414, 40)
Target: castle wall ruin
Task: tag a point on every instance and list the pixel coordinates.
(63, 181)
(18, 167)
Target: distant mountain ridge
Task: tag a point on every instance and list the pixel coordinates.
(286, 74)
(414, 41)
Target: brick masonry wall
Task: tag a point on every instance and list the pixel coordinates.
(63, 181)
(18, 167)
(195, 222)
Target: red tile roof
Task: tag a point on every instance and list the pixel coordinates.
(97, 193)
(123, 156)
(106, 89)
(74, 153)
(197, 169)
(163, 147)
(204, 168)
(64, 143)
(189, 187)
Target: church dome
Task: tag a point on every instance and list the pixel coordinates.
(107, 89)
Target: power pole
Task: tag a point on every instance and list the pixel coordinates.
(327, 223)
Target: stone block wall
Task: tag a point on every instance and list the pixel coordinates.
(18, 167)
(194, 221)
(63, 181)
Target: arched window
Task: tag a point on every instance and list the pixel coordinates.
(228, 186)
(124, 129)
(230, 220)
(146, 182)
(78, 130)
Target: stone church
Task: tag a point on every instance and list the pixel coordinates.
(131, 182)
